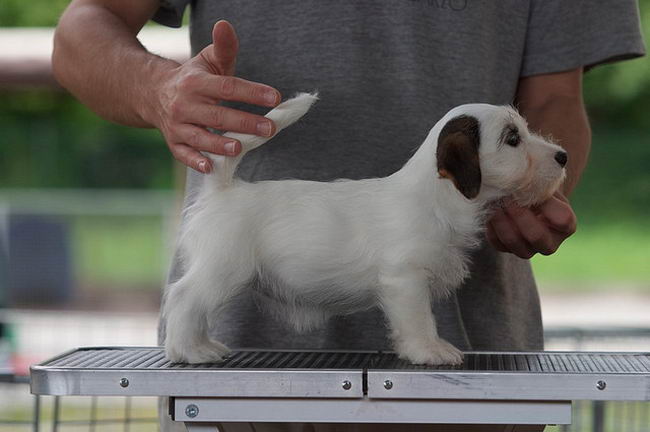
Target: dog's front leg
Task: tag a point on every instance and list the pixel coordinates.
(406, 301)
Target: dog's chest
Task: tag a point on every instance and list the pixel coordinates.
(447, 253)
(448, 270)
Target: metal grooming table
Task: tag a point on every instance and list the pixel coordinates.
(523, 390)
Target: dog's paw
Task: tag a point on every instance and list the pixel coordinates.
(205, 352)
(436, 353)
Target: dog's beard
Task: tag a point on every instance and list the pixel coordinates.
(534, 192)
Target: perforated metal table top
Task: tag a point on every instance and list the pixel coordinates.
(330, 374)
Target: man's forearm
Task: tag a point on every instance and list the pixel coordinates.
(553, 106)
(566, 122)
(98, 58)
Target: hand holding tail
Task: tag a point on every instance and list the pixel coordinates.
(283, 115)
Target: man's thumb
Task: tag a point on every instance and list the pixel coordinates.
(225, 46)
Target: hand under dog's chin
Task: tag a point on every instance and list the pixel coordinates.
(529, 197)
(522, 197)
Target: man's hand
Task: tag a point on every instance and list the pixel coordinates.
(187, 103)
(98, 57)
(552, 104)
(527, 231)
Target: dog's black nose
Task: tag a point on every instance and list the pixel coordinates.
(561, 157)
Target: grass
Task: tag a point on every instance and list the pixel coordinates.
(598, 257)
(122, 252)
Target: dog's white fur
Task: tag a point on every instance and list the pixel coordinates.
(314, 249)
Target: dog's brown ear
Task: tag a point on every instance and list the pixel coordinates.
(457, 154)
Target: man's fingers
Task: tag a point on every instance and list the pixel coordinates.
(220, 56)
(190, 157)
(493, 239)
(536, 233)
(508, 234)
(559, 215)
(202, 140)
(225, 46)
(220, 87)
(525, 231)
(231, 120)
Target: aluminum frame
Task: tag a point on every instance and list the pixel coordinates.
(512, 376)
(370, 411)
(515, 388)
(508, 386)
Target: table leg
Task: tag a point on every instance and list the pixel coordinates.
(526, 428)
(201, 427)
(246, 427)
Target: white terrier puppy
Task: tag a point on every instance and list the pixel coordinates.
(319, 249)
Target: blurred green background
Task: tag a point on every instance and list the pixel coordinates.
(49, 140)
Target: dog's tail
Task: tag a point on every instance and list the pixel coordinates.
(285, 114)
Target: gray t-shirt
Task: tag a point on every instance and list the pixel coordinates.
(386, 71)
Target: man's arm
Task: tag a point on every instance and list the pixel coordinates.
(553, 106)
(99, 59)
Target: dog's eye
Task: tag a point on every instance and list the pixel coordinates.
(513, 140)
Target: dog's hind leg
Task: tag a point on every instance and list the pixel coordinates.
(406, 301)
(188, 304)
